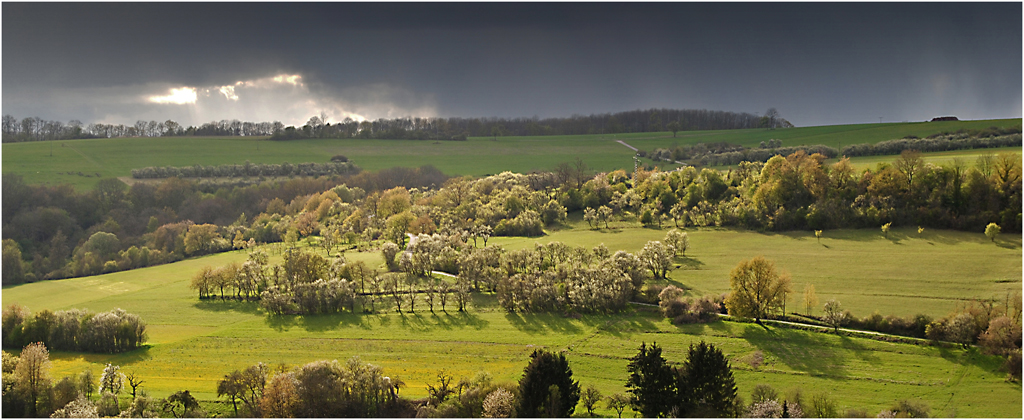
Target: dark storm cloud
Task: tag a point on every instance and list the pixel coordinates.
(817, 63)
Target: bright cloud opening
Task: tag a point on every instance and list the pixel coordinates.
(293, 79)
(179, 96)
(229, 92)
(281, 97)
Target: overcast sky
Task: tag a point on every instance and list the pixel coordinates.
(818, 64)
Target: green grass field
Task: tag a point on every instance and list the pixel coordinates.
(104, 158)
(969, 157)
(193, 344)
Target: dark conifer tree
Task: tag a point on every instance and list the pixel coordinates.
(705, 384)
(546, 388)
(651, 382)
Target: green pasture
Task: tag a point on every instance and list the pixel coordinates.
(969, 157)
(193, 343)
(83, 162)
(907, 274)
(828, 135)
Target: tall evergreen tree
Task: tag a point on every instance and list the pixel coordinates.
(651, 382)
(705, 384)
(546, 388)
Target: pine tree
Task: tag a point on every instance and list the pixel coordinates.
(546, 388)
(705, 384)
(651, 382)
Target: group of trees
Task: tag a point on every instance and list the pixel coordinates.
(38, 129)
(552, 277)
(649, 120)
(699, 156)
(725, 154)
(638, 121)
(74, 330)
(317, 389)
(703, 386)
(53, 232)
(974, 139)
(309, 169)
(57, 232)
(29, 391)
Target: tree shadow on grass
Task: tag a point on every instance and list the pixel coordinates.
(1013, 243)
(138, 355)
(973, 356)
(228, 305)
(805, 352)
(330, 322)
(543, 323)
(859, 350)
(317, 323)
(625, 326)
(688, 263)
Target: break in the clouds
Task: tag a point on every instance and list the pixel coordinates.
(286, 98)
(816, 63)
(282, 97)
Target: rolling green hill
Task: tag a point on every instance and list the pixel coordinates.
(82, 162)
(195, 343)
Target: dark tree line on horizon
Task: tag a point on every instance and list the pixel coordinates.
(454, 128)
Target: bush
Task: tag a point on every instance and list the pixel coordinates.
(74, 330)
(911, 409)
(527, 223)
(1013, 365)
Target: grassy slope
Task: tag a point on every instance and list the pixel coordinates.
(969, 157)
(908, 274)
(193, 344)
(478, 156)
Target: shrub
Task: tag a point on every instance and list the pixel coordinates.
(911, 409)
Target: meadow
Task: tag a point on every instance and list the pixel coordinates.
(105, 158)
(193, 343)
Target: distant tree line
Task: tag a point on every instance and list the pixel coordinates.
(38, 129)
(983, 139)
(724, 154)
(74, 330)
(638, 121)
(309, 169)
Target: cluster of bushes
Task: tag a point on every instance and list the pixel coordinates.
(29, 391)
(51, 232)
(526, 223)
(683, 310)
(724, 154)
(248, 169)
(74, 330)
(759, 155)
(766, 403)
(891, 324)
(559, 277)
(935, 144)
(319, 297)
(995, 328)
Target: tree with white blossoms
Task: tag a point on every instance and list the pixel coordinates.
(499, 404)
(679, 240)
(80, 408)
(590, 216)
(112, 380)
(604, 214)
(657, 257)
